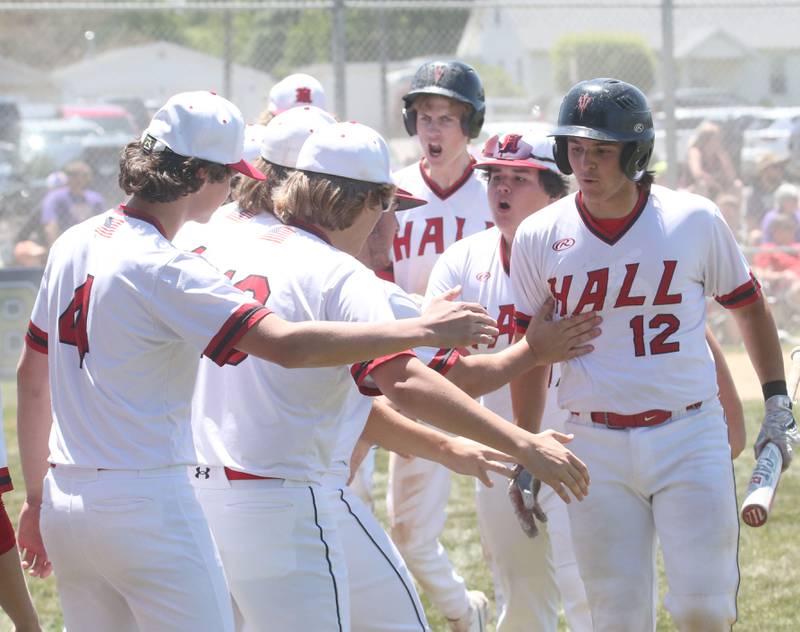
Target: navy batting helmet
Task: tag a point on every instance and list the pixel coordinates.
(609, 110)
(452, 79)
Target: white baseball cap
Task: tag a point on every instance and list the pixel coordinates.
(201, 125)
(519, 150)
(295, 90)
(348, 150)
(286, 133)
(253, 137)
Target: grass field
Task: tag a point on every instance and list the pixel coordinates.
(769, 559)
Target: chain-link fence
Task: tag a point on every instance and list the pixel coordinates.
(80, 79)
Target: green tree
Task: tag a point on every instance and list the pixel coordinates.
(623, 56)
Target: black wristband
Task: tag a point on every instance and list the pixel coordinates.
(777, 387)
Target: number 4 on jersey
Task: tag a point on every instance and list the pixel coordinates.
(72, 323)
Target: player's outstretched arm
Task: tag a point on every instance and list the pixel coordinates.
(394, 431)
(424, 394)
(729, 398)
(33, 430)
(325, 343)
(546, 342)
(760, 338)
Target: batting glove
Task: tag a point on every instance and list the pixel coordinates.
(523, 491)
(779, 427)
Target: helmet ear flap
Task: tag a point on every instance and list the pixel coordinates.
(560, 154)
(634, 158)
(410, 121)
(472, 123)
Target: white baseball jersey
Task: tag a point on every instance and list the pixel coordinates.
(266, 420)
(649, 283)
(130, 314)
(480, 264)
(425, 232)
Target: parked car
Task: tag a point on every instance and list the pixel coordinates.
(768, 133)
(114, 119)
(48, 144)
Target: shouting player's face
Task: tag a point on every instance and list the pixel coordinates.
(515, 193)
(439, 129)
(600, 177)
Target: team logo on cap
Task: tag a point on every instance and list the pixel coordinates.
(510, 144)
(583, 102)
(303, 95)
(438, 73)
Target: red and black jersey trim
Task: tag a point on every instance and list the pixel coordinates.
(222, 347)
(5, 480)
(36, 338)
(361, 370)
(132, 212)
(596, 229)
(444, 360)
(438, 191)
(745, 294)
(521, 322)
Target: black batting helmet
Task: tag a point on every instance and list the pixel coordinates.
(608, 110)
(452, 79)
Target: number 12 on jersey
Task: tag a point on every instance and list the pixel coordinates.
(659, 344)
(72, 323)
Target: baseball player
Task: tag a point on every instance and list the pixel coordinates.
(130, 314)
(15, 600)
(528, 573)
(268, 439)
(445, 109)
(643, 405)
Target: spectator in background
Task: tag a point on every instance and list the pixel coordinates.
(71, 204)
(787, 202)
(731, 207)
(778, 261)
(770, 173)
(711, 170)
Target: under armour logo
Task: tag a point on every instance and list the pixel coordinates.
(303, 95)
(583, 102)
(202, 472)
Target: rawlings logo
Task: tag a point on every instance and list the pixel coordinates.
(438, 73)
(303, 95)
(583, 102)
(510, 144)
(483, 276)
(563, 244)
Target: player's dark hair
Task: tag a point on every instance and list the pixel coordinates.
(164, 176)
(327, 201)
(554, 184)
(648, 177)
(255, 196)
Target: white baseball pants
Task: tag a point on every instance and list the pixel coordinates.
(417, 503)
(674, 482)
(382, 594)
(530, 575)
(132, 551)
(281, 551)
